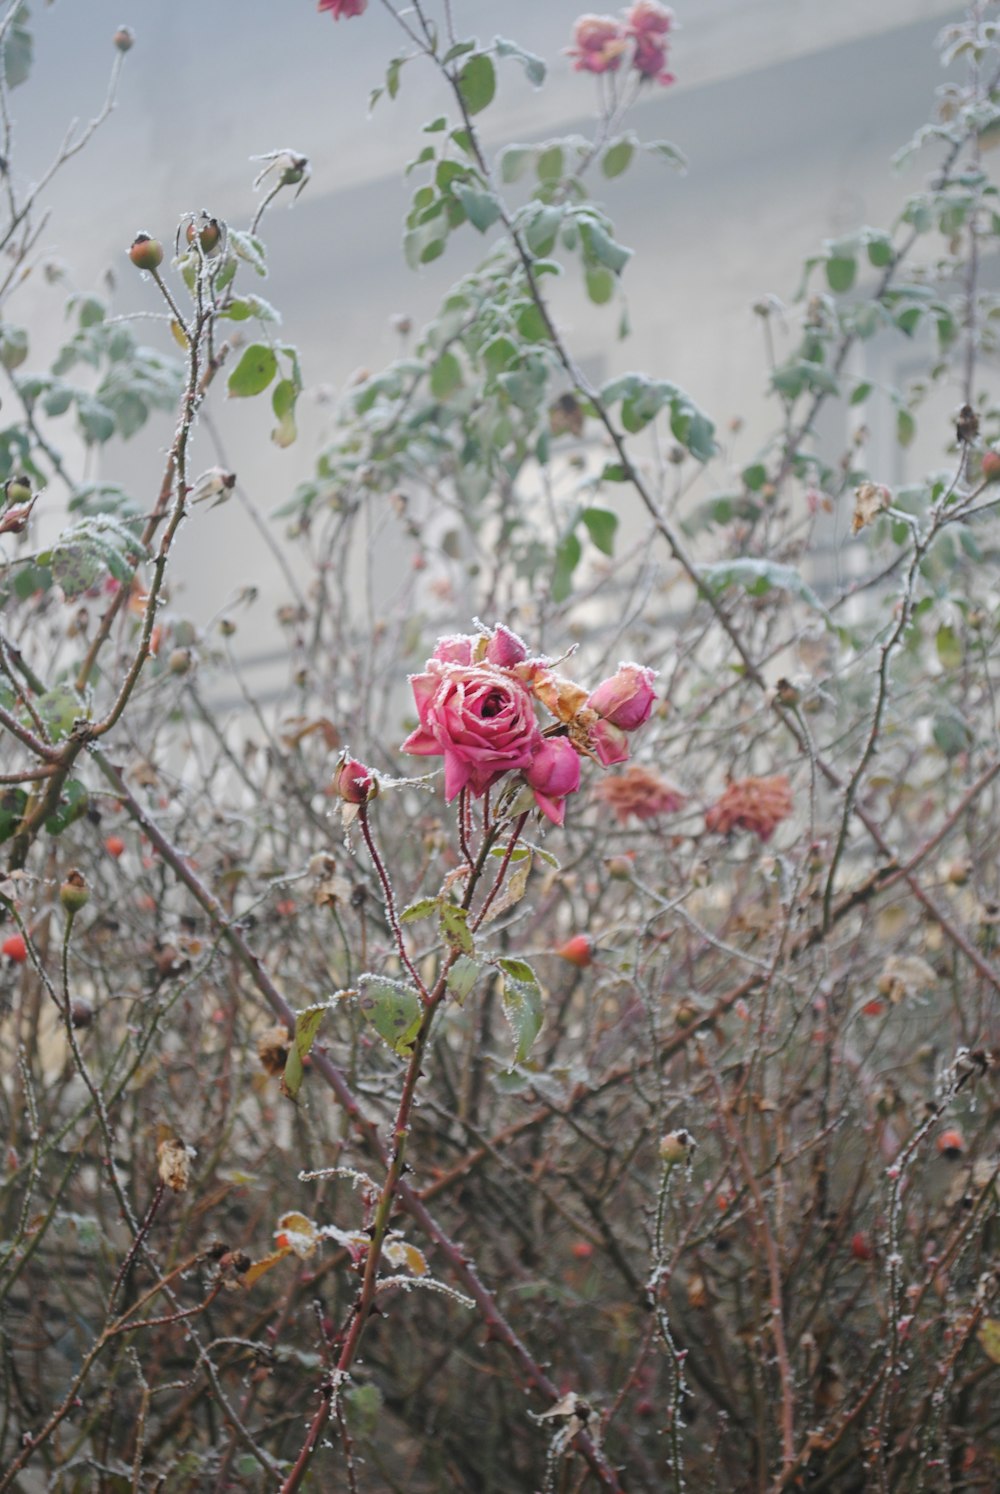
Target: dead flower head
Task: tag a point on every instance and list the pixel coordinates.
(755, 804)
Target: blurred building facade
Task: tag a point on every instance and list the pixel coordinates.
(787, 110)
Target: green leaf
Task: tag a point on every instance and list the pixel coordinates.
(549, 164)
(880, 252)
(906, 427)
(541, 230)
(514, 162)
(242, 307)
(18, 52)
(393, 1009)
(533, 66)
(861, 393)
(531, 323)
(951, 733)
(481, 208)
(283, 398)
(618, 156)
(498, 354)
(667, 152)
(600, 246)
(446, 376)
(758, 577)
(455, 928)
(840, 272)
(88, 548)
(307, 1025)
(949, 647)
(600, 284)
(908, 321)
(462, 977)
(254, 372)
(639, 408)
(568, 555)
(477, 83)
(521, 997)
(601, 525)
(248, 248)
(692, 428)
(424, 907)
(59, 708)
(460, 49)
(13, 803)
(96, 421)
(755, 476)
(72, 804)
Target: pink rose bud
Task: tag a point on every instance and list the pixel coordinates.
(553, 773)
(598, 44)
(647, 18)
(650, 59)
(343, 9)
(627, 698)
(505, 649)
(354, 782)
(455, 650)
(609, 743)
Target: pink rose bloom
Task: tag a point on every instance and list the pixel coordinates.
(554, 773)
(598, 44)
(647, 18)
(479, 718)
(650, 59)
(346, 8)
(627, 698)
(609, 743)
(455, 649)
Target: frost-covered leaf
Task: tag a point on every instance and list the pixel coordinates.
(307, 1025)
(393, 1009)
(521, 997)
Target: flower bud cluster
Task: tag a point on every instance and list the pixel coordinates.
(476, 706)
(602, 43)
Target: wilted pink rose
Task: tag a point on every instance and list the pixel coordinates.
(755, 804)
(479, 718)
(650, 59)
(608, 742)
(554, 773)
(598, 44)
(647, 18)
(640, 792)
(344, 8)
(626, 699)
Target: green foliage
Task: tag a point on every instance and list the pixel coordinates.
(307, 1025)
(522, 1005)
(253, 373)
(477, 82)
(18, 48)
(393, 1009)
(91, 547)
